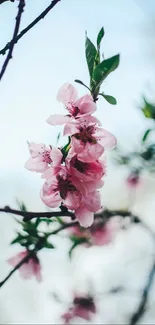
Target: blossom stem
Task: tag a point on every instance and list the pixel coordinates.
(24, 260)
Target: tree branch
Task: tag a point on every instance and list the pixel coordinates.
(31, 25)
(31, 215)
(15, 33)
(2, 1)
(144, 298)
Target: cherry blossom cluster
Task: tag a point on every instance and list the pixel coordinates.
(74, 176)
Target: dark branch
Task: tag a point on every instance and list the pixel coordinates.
(144, 298)
(15, 33)
(31, 25)
(31, 215)
(2, 1)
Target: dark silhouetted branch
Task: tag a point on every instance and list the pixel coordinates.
(144, 298)
(24, 260)
(2, 1)
(12, 43)
(31, 25)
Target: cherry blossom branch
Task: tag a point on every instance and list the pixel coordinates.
(105, 214)
(144, 298)
(15, 33)
(30, 26)
(38, 247)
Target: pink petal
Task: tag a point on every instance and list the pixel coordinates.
(72, 200)
(86, 105)
(84, 216)
(56, 156)
(36, 148)
(71, 127)
(67, 93)
(52, 200)
(16, 259)
(90, 152)
(35, 165)
(105, 138)
(76, 145)
(93, 201)
(57, 119)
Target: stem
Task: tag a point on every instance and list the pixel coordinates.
(31, 25)
(24, 260)
(15, 33)
(144, 298)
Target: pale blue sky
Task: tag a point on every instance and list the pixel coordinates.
(53, 53)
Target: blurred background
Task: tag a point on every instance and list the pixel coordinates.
(49, 55)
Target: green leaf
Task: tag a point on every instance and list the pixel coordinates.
(37, 222)
(77, 242)
(149, 153)
(104, 69)
(21, 205)
(48, 245)
(91, 52)
(146, 135)
(58, 137)
(110, 99)
(148, 109)
(81, 83)
(99, 37)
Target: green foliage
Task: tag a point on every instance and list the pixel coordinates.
(98, 70)
(146, 134)
(109, 99)
(76, 241)
(149, 153)
(81, 83)
(148, 110)
(99, 37)
(90, 52)
(104, 69)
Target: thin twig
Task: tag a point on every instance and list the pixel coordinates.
(31, 25)
(144, 298)
(24, 260)
(15, 33)
(28, 256)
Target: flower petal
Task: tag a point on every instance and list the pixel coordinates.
(57, 119)
(66, 94)
(105, 138)
(86, 105)
(56, 156)
(84, 216)
(36, 165)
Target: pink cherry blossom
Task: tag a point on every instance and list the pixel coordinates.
(89, 205)
(42, 157)
(103, 235)
(133, 179)
(29, 269)
(86, 171)
(62, 188)
(76, 107)
(83, 307)
(88, 140)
